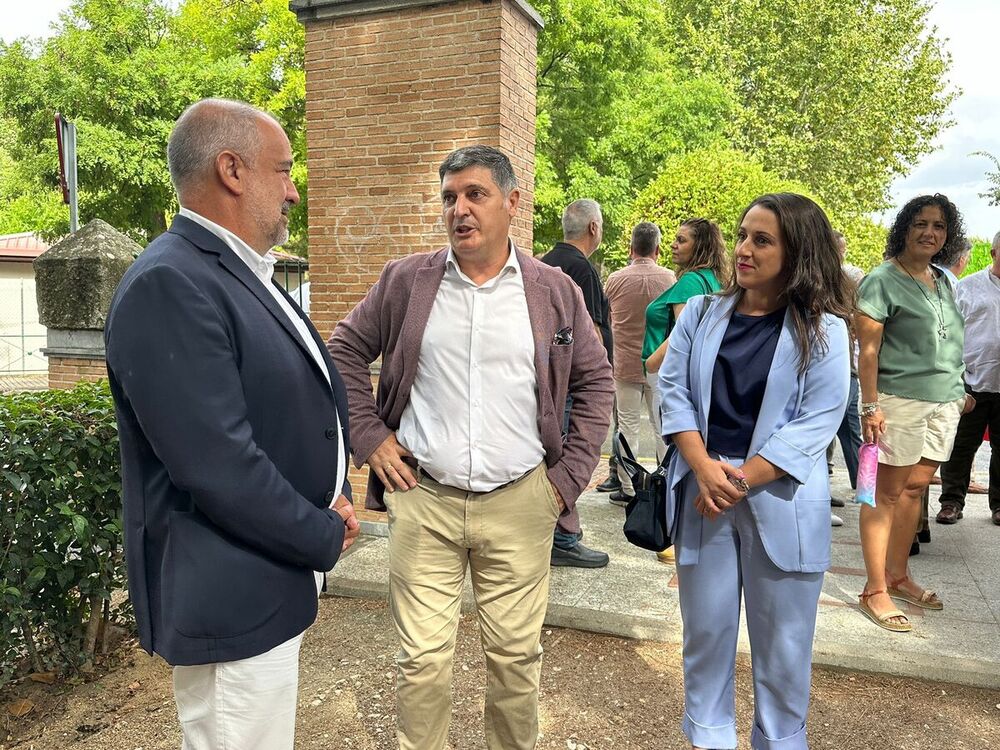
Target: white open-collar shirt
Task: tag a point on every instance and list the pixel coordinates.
(472, 418)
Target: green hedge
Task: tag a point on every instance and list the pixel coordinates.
(60, 528)
(717, 184)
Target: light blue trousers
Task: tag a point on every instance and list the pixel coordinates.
(781, 619)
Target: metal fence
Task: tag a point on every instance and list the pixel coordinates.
(21, 335)
(290, 273)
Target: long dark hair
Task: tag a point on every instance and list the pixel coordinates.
(814, 282)
(954, 244)
(709, 249)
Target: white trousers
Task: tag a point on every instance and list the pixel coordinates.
(629, 400)
(241, 705)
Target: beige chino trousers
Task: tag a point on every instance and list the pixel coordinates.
(436, 533)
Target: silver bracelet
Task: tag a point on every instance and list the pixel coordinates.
(867, 409)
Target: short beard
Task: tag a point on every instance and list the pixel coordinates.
(275, 234)
(278, 235)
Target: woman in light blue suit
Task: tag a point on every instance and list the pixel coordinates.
(753, 389)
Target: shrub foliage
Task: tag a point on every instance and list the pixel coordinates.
(60, 528)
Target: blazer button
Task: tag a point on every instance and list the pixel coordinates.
(331, 433)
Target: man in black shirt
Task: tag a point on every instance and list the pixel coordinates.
(582, 233)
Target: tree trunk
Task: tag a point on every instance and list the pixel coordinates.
(29, 642)
(93, 624)
(102, 630)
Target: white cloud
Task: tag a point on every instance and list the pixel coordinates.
(970, 27)
(30, 19)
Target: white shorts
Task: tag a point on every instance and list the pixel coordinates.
(917, 429)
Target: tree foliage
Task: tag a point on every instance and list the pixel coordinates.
(713, 183)
(611, 107)
(980, 257)
(842, 96)
(148, 62)
(718, 184)
(25, 202)
(992, 193)
(838, 96)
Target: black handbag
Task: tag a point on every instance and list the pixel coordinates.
(646, 514)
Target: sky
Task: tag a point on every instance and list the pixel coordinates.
(968, 25)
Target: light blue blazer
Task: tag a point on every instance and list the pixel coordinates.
(798, 418)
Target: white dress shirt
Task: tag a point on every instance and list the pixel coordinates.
(978, 299)
(263, 268)
(472, 418)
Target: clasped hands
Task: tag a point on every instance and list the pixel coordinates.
(716, 491)
(345, 509)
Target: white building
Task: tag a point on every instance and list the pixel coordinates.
(21, 335)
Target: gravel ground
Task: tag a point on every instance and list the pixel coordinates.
(597, 692)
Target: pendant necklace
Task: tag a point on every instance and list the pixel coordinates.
(942, 328)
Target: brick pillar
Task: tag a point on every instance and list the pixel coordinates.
(75, 280)
(393, 86)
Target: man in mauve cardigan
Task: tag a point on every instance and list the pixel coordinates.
(480, 345)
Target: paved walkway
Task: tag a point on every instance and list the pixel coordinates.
(636, 596)
(31, 381)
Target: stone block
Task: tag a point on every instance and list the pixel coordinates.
(76, 278)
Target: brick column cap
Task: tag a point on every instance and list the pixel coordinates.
(318, 10)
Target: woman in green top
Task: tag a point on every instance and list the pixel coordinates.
(702, 265)
(910, 368)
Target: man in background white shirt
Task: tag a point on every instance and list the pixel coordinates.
(978, 298)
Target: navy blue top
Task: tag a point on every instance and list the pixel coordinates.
(739, 379)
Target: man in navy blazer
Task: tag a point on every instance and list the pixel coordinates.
(233, 428)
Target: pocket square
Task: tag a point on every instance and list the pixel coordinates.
(563, 337)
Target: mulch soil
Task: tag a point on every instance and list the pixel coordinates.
(597, 692)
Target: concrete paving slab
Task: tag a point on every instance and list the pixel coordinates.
(636, 596)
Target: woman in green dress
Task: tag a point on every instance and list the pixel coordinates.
(702, 268)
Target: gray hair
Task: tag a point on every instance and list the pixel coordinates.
(577, 217)
(645, 239)
(481, 156)
(995, 247)
(206, 129)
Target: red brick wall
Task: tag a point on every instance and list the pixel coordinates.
(388, 96)
(66, 372)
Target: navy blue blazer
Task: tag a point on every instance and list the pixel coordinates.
(799, 416)
(229, 453)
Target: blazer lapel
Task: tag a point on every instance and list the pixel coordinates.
(538, 298)
(324, 354)
(210, 243)
(712, 329)
(781, 381)
(426, 283)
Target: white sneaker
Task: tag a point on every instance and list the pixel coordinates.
(836, 520)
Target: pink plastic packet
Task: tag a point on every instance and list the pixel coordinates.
(867, 470)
